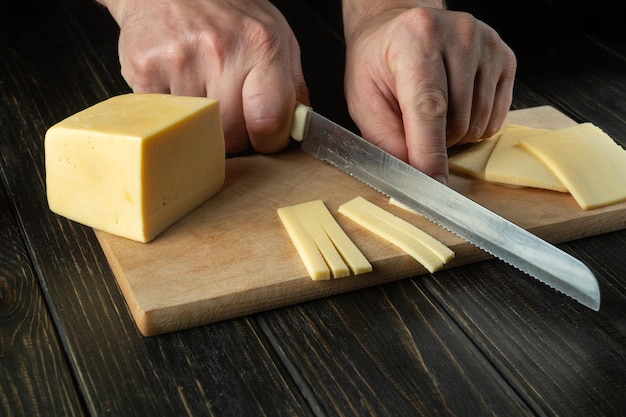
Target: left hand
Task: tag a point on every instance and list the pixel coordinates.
(419, 80)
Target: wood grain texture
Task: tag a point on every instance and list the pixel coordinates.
(378, 345)
(60, 57)
(35, 378)
(232, 257)
(222, 370)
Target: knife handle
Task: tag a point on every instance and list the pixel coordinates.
(300, 121)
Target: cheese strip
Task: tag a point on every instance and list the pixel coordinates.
(511, 165)
(331, 244)
(587, 160)
(350, 253)
(135, 164)
(421, 246)
(308, 218)
(305, 245)
(473, 159)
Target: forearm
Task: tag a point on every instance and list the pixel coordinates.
(115, 7)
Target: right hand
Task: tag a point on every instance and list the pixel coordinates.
(241, 52)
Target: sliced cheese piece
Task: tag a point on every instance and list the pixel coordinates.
(472, 160)
(350, 253)
(307, 216)
(314, 223)
(305, 245)
(135, 164)
(511, 165)
(587, 160)
(421, 246)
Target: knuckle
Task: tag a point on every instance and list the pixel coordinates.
(455, 132)
(421, 18)
(263, 37)
(431, 103)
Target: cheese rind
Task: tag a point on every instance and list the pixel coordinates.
(134, 164)
(587, 160)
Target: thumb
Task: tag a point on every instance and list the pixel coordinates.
(268, 103)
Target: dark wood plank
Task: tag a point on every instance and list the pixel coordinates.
(388, 350)
(546, 349)
(563, 358)
(470, 341)
(63, 63)
(36, 378)
(554, 352)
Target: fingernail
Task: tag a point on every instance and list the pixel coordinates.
(442, 179)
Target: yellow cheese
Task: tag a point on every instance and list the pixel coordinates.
(324, 247)
(349, 252)
(305, 245)
(584, 158)
(511, 165)
(473, 159)
(421, 246)
(134, 164)
(314, 228)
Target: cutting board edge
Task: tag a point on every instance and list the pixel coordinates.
(153, 319)
(157, 319)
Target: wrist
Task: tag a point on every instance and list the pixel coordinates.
(116, 8)
(357, 11)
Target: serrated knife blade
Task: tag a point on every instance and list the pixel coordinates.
(336, 145)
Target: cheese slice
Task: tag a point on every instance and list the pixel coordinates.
(349, 252)
(587, 160)
(135, 164)
(511, 165)
(323, 246)
(473, 159)
(314, 228)
(421, 246)
(305, 245)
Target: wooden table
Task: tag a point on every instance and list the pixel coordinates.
(477, 340)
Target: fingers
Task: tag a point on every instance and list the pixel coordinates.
(268, 105)
(423, 98)
(452, 77)
(480, 84)
(242, 53)
(269, 94)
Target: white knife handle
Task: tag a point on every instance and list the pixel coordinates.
(300, 121)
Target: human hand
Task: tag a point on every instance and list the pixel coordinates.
(241, 52)
(419, 80)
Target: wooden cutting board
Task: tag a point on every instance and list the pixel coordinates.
(231, 256)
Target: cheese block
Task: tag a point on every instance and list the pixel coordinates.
(511, 165)
(586, 160)
(134, 164)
